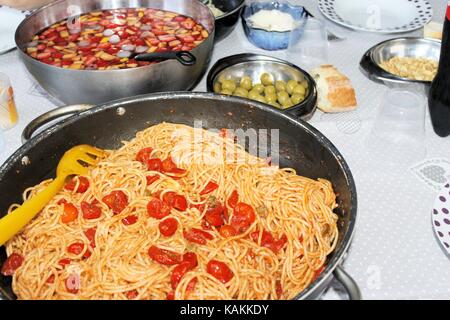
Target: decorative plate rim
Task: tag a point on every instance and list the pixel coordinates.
(440, 218)
(326, 7)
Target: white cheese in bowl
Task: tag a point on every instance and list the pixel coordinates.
(273, 20)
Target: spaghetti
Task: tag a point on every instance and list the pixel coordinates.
(169, 217)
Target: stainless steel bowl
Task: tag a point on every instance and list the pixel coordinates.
(254, 65)
(95, 86)
(399, 47)
(226, 23)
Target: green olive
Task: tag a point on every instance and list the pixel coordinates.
(282, 97)
(291, 85)
(280, 85)
(217, 87)
(260, 98)
(229, 85)
(222, 78)
(275, 104)
(246, 83)
(241, 92)
(266, 79)
(259, 88)
(304, 84)
(297, 98)
(253, 94)
(270, 90)
(299, 90)
(226, 92)
(272, 97)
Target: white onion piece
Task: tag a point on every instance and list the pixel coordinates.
(146, 27)
(146, 34)
(114, 39)
(32, 44)
(141, 49)
(128, 47)
(73, 30)
(108, 32)
(84, 43)
(123, 54)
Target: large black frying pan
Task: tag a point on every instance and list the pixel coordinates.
(106, 126)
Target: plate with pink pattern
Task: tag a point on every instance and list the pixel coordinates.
(441, 217)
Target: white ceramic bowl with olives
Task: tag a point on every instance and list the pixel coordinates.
(265, 79)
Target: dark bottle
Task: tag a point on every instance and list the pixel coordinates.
(439, 96)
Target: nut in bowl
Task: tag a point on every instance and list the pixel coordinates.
(265, 79)
(268, 25)
(402, 61)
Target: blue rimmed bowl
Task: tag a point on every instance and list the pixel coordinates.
(270, 40)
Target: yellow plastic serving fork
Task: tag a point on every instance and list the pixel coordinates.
(75, 161)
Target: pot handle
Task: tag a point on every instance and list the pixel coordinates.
(348, 283)
(184, 57)
(47, 117)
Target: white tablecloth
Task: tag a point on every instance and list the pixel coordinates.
(394, 254)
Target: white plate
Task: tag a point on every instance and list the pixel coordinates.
(383, 16)
(440, 216)
(9, 21)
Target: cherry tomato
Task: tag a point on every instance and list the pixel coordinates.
(176, 201)
(90, 235)
(278, 289)
(178, 272)
(117, 201)
(132, 294)
(158, 209)
(210, 187)
(219, 270)
(163, 256)
(168, 227)
(154, 165)
(318, 272)
(61, 201)
(268, 241)
(223, 133)
(75, 248)
(233, 199)
(171, 295)
(243, 217)
(200, 207)
(64, 262)
(168, 166)
(51, 279)
(131, 219)
(227, 231)
(214, 215)
(73, 283)
(191, 285)
(12, 263)
(197, 236)
(191, 258)
(90, 211)
(83, 184)
(70, 213)
(151, 179)
(144, 155)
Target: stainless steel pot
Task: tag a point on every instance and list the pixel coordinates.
(300, 146)
(95, 86)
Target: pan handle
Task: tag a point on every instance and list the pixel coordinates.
(54, 114)
(348, 283)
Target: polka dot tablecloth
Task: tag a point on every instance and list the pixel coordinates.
(395, 253)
